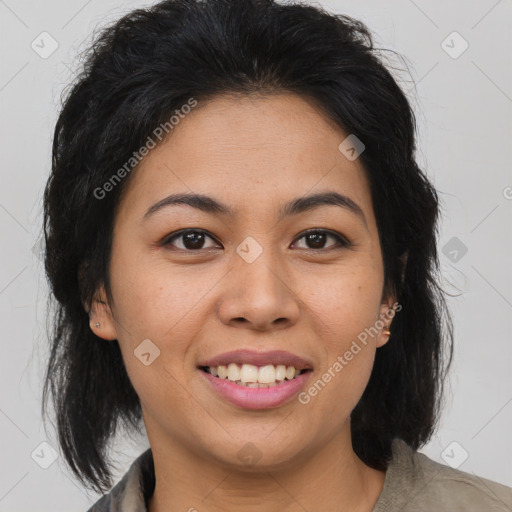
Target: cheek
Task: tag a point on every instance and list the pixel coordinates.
(346, 313)
(346, 303)
(160, 302)
(155, 298)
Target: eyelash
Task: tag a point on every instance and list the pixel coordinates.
(342, 241)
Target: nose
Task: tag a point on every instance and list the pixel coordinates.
(258, 296)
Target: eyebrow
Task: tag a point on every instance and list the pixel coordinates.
(295, 206)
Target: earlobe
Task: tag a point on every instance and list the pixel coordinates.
(387, 312)
(384, 336)
(101, 321)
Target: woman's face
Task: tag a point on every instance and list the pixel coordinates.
(248, 279)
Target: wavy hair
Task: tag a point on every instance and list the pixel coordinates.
(137, 72)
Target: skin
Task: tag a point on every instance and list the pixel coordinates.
(253, 154)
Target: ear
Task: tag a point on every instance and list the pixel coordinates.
(101, 320)
(387, 312)
(390, 306)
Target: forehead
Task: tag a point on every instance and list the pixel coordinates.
(250, 150)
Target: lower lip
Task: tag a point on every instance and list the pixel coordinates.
(257, 398)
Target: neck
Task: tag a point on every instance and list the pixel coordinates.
(332, 479)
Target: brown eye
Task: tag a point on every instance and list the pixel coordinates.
(317, 239)
(190, 240)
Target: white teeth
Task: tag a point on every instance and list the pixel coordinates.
(290, 372)
(222, 371)
(248, 373)
(252, 376)
(233, 372)
(267, 374)
(280, 372)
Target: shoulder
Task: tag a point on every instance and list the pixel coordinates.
(133, 490)
(416, 483)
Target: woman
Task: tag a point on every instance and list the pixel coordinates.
(243, 253)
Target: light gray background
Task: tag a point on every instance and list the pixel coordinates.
(463, 109)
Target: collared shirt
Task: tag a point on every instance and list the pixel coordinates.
(413, 483)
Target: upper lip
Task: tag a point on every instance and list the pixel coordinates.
(247, 356)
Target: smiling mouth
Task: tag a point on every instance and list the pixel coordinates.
(252, 376)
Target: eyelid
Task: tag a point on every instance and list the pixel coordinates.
(343, 242)
(176, 234)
